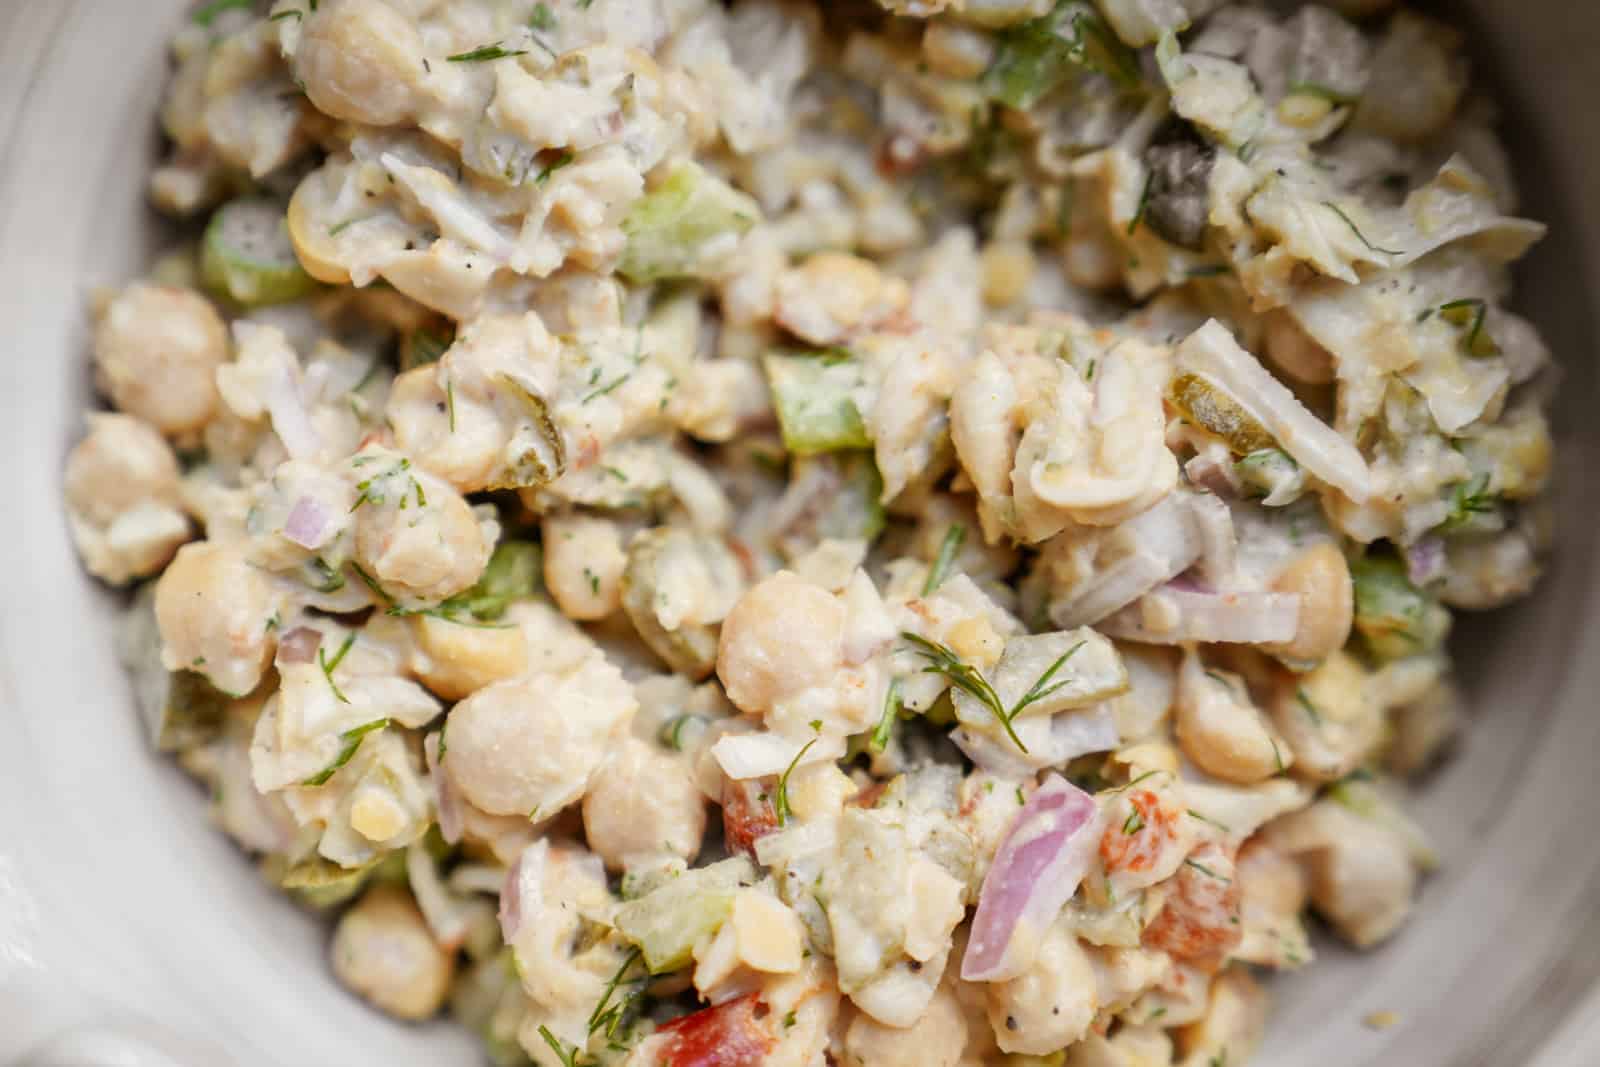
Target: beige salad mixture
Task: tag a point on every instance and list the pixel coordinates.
(917, 533)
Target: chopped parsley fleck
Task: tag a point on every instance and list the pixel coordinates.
(780, 798)
(486, 53)
(329, 665)
(352, 739)
(949, 548)
(542, 18)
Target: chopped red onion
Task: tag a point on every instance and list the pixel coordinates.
(307, 525)
(1425, 561)
(299, 645)
(1044, 856)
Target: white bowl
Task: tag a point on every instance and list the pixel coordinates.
(133, 933)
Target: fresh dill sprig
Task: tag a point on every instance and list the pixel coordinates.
(949, 548)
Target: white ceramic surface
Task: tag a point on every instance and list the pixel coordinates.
(132, 933)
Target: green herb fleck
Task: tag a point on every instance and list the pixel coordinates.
(542, 18)
(1304, 701)
(963, 676)
(1134, 822)
(1041, 687)
(1471, 314)
(1348, 221)
(780, 799)
(1144, 203)
(206, 15)
(329, 665)
(486, 53)
(568, 1055)
(892, 704)
(1207, 871)
(1207, 819)
(352, 739)
(949, 548)
(564, 159)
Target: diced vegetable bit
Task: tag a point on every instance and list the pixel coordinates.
(1359, 794)
(1039, 56)
(426, 344)
(514, 573)
(1469, 317)
(247, 256)
(653, 557)
(815, 398)
(538, 450)
(1472, 507)
(1216, 412)
(350, 740)
(1394, 617)
(1273, 475)
(669, 228)
(1178, 192)
(668, 921)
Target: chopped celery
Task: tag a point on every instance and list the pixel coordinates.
(815, 397)
(654, 556)
(668, 921)
(1039, 56)
(1395, 618)
(247, 256)
(1214, 411)
(669, 228)
(321, 883)
(515, 572)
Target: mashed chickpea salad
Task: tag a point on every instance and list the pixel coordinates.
(916, 534)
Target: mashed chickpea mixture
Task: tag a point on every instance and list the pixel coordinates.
(918, 533)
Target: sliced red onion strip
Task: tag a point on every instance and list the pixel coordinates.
(307, 525)
(1044, 856)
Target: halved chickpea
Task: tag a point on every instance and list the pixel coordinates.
(456, 661)
(1321, 577)
(1222, 731)
(383, 950)
(360, 61)
(156, 352)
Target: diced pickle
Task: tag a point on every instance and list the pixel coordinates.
(247, 256)
(815, 398)
(667, 921)
(1394, 617)
(691, 647)
(1216, 412)
(537, 453)
(669, 228)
